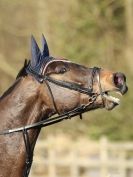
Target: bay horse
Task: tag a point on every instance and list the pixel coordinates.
(46, 86)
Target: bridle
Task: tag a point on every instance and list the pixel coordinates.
(44, 78)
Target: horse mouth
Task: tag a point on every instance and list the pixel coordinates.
(112, 98)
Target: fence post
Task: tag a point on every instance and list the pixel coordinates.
(52, 159)
(74, 164)
(104, 156)
(122, 169)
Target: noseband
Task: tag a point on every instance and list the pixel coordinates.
(43, 78)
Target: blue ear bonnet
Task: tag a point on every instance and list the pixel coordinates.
(38, 58)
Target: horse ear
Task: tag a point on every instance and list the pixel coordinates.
(35, 52)
(45, 49)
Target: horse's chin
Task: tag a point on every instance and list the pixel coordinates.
(109, 105)
(110, 101)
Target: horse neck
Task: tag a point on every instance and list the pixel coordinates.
(21, 105)
(24, 103)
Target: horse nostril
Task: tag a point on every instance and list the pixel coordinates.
(119, 79)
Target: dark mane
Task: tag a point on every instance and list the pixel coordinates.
(22, 72)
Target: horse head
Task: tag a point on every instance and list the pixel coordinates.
(70, 85)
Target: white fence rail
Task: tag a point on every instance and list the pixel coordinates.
(60, 156)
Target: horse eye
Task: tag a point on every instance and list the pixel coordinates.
(62, 70)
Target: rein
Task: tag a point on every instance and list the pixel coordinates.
(60, 117)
